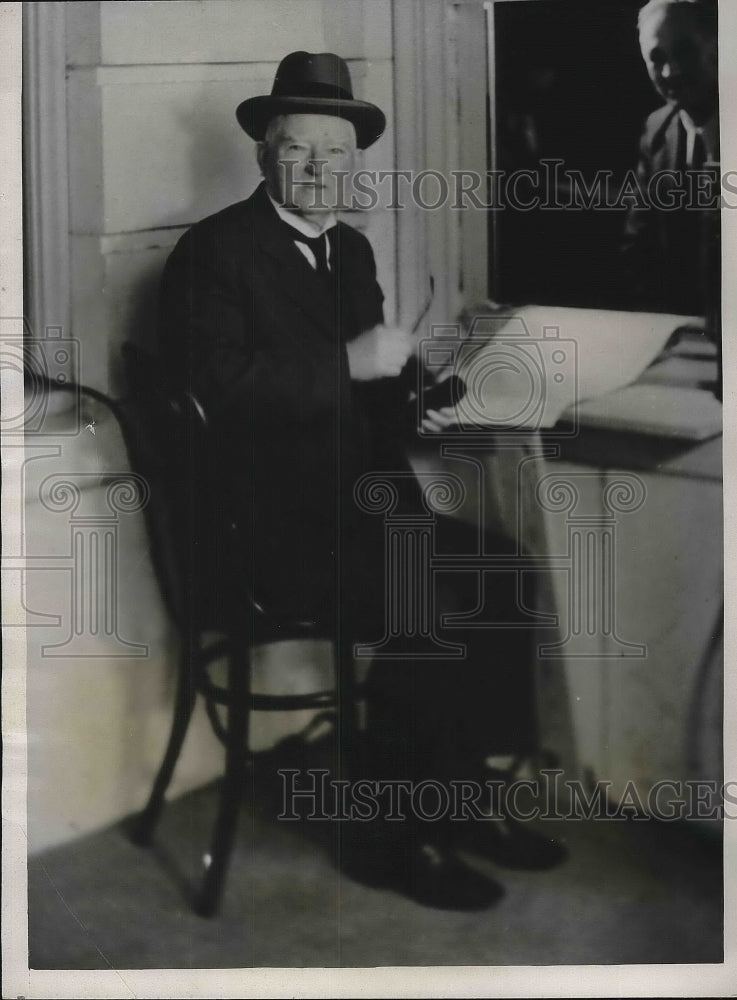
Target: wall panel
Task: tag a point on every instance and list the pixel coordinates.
(190, 31)
(153, 145)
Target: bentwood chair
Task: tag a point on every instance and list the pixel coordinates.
(168, 442)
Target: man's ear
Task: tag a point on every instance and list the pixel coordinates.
(261, 154)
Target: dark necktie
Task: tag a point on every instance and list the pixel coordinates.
(318, 245)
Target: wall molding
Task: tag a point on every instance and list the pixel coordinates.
(45, 168)
(440, 114)
(246, 72)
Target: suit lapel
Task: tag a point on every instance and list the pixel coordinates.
(671, 154)
(676, 144)
(351, 275)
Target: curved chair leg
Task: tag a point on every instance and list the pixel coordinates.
(234, 782)
(145, 824)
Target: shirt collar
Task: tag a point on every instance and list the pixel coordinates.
(302, 225)
(709, 130)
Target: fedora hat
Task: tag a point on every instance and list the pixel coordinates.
(309, 83)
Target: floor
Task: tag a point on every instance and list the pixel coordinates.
(630, 893)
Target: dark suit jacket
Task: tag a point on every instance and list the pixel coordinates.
(260, 338)
(664, 249)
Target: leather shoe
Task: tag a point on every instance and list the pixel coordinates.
(430, 875)
(438, 878)
(512, 844)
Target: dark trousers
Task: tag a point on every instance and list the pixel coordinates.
(438, 718)
(427, 716)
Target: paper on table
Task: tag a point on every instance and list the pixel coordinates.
(661, 410)
(527, 369)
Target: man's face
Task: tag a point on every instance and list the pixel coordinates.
(681, 60)
(301, 157)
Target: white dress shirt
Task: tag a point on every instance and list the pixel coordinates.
(709, 132)
(306, 228)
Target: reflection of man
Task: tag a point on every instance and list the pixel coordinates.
(273, 315)
(669, 245)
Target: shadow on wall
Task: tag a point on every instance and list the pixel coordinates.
(141, 326)
(212, 166)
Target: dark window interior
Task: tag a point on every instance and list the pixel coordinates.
(571, 85)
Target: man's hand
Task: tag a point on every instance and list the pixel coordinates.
(379, 353)
(436, 421)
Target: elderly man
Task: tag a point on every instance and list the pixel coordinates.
(669, 245)
(271, 312)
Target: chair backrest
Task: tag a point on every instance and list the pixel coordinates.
(168, 445)
(176, 425)
(199, 548)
